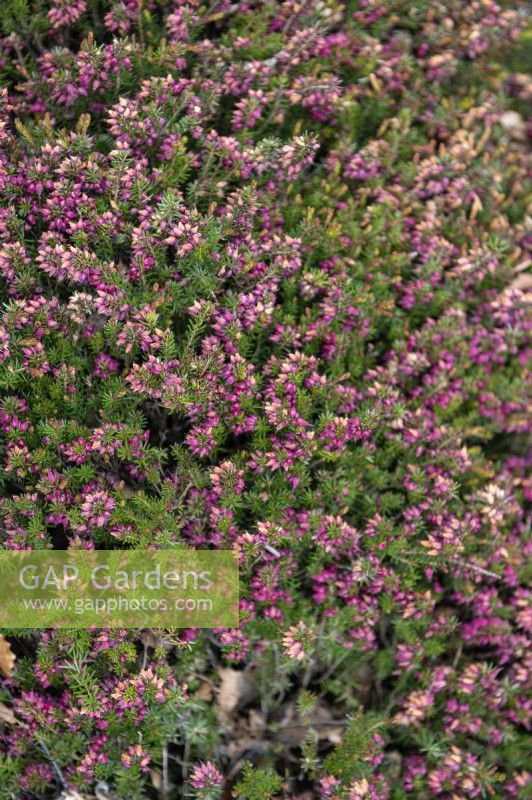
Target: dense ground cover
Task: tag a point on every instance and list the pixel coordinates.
(262, 266)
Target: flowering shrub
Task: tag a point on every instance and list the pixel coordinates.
(262, 267)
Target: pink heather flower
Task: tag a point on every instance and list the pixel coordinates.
(368, 790)
(328, 787)
(105, 366)
(206, 777)
(65, 12)
(185, 238)
(4, 344)
(105, 440)
(136, 756)
(332, 354)
(97, 508)
(227, 478)
(296, 640)
(77, 451)
(95, 755)
(36, 777)
(121, 16)
(235, 645)
(249, 110)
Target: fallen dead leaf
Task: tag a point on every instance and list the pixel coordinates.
(375, 83)
(204, 692)
(7, 658)
(256, 722)
(523, 282)
(293, 729)
(6, 715)
(156, 776)
(476, 207)
(235, 748)
(156, 779)
(235, 686)
(514, 124)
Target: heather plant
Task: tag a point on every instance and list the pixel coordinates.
(263, 273)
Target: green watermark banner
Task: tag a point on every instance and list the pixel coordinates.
(118, 589)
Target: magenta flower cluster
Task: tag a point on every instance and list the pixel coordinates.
(264, 280)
